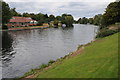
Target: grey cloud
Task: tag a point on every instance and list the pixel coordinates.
(77, 9)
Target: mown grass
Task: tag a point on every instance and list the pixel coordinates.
(98, 60)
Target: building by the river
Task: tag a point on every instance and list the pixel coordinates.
(21, 22)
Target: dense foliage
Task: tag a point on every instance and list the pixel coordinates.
(67, 19)
(6, 12)
(105, 32)
(112, 14)
(14, 12)
(96, 20)
(83, 20)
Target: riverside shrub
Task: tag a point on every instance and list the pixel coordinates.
(106, 32)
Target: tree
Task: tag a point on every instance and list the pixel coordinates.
(69, 21)
(51, 17)
(46, 18)
(40, 18)
(112, 14)
(56, 22)
(59, 18)
(6, 13)
(97, 19)
(26, 14)
(79, 20)
(33, 16)
(83, 20)
(14, 12)
(91, 20)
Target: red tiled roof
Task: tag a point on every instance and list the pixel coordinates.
(21, 19)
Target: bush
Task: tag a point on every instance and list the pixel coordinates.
(43, 66)
(117, 23)
(79, 47)
(105, 32)
(51, 61)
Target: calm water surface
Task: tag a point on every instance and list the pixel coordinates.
(27, 49)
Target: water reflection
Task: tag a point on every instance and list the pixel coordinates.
(7, 49)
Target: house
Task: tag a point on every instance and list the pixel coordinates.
(21, 22)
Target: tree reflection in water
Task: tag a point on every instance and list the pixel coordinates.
(7, 49)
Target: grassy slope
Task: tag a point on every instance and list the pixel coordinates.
(98, 60)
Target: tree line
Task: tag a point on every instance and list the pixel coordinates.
(110, 16)
(8, 13)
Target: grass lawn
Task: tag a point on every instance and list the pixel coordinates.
(98, 60)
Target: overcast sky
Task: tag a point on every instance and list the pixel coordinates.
(78, 8)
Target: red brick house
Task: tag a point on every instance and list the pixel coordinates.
(21, 21)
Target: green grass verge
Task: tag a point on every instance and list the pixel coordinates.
(98, 60)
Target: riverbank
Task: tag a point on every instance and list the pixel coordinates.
(98, 59)
(27, 28)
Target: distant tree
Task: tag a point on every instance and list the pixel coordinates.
(69, 21)
(79, 20)
(14, 12)
(46, 18)
(83, 20)
(112, 14)
(51, 17)
(91, 20)
(56, 22)
(59, 18)
(97, 19)
(26, 14)
(63, 15)
(6, 12)
(40, 18)
(33, 16)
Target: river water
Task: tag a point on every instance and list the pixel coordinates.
(28, 49)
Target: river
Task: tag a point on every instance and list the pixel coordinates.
(28, 49)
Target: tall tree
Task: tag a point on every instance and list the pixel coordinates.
(83, 20)
(14, 12)
(79, 20)
(52, 17)
(26, 15)
(59, 18)
(112, 14)
(69, 20)
(91, 20)
(97, 19)
(6, 12)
